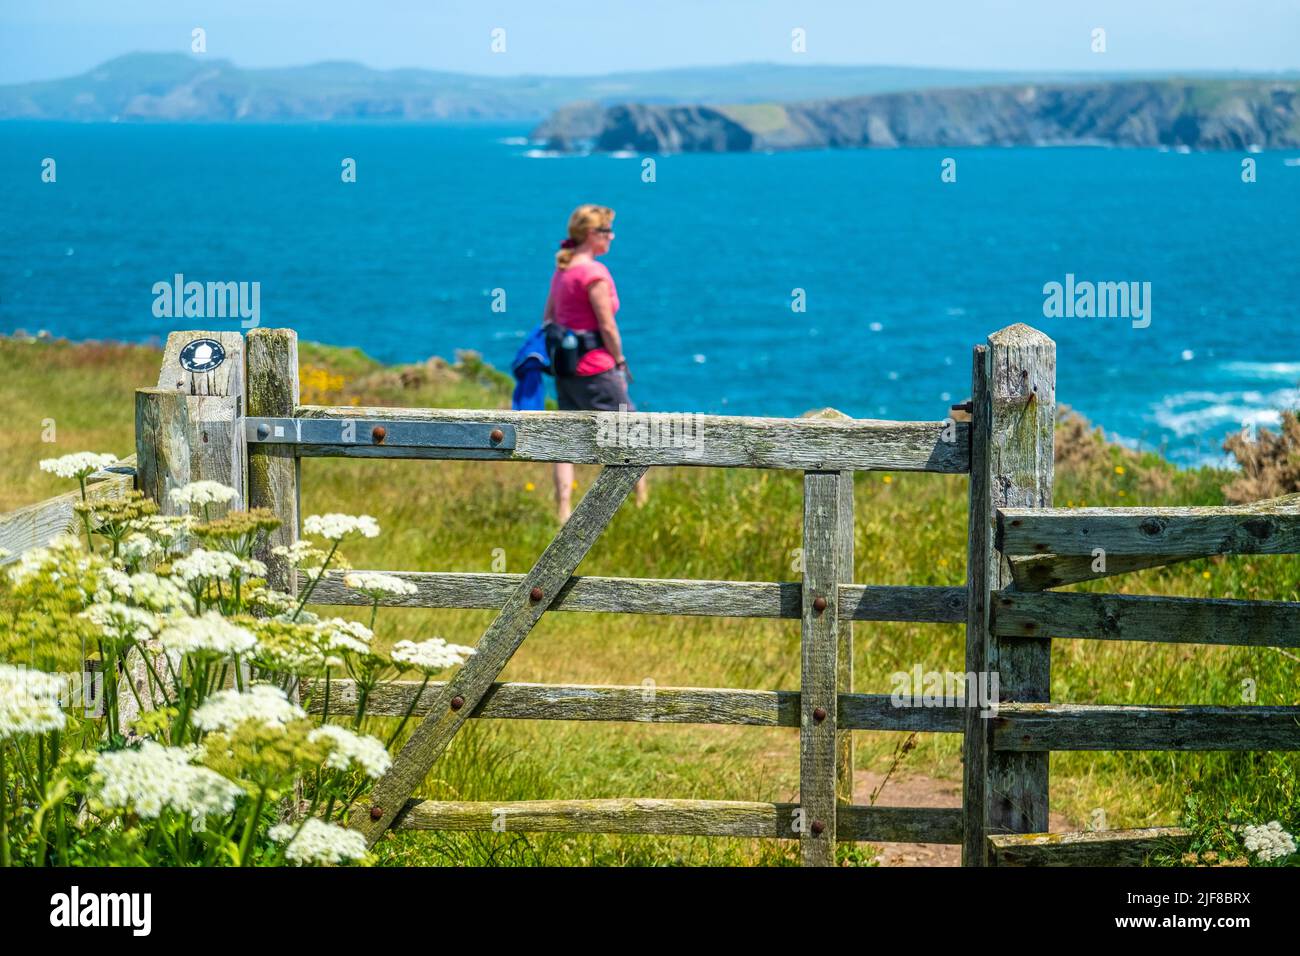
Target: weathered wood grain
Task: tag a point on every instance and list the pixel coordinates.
(733, 818)
(1140, 617)
(497, 645)
(1021, 375)
(36, 525)
(981, 573)
(643, 704)
(273, 469)
(215, 410)
(1045, 727)
(1087, 847)
(823, 562)
(1039, 572)
(757, 599)
(1265, 527)
(162, 445)
(844, 756)
(715, 440)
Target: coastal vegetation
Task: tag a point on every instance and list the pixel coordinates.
(704, 523)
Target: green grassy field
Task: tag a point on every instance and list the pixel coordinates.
(709, 523)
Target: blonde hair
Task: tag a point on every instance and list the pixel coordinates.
(584, 219)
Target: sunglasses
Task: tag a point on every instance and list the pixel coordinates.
(604, 229)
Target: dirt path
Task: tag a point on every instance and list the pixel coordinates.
(918, 791)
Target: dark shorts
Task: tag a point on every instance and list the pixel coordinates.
(603, 392)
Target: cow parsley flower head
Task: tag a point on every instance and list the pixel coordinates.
(319, 842)
(336, 527)
(432, 655)
(209, 634)
(148, 590)
(136, 547)
(203, 493)
(77, 465)
(123, 623)
(152, 778)
(376, 585)
(341, 635)
(265, 703)
(368, 753)
(29, 702)
(201, 564)
(1269, 842)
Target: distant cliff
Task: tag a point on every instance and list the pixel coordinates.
(1198, 114)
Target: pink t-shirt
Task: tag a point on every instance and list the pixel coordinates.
(569, 288)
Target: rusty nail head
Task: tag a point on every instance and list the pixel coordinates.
(819, 714)
(818, 827)
(536, 594)
(457, 702)
(379, 433)
(497, 434)
(819, 604)
(376, 812)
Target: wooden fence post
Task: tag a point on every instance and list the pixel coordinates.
(844, 756)
(189, 428)
(823, 556)
(273, 469)
(1012, 459)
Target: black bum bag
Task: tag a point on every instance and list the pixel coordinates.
(565, 347)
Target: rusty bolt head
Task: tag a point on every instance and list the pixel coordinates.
(497, 434)
(817, 827)
(536, 594)
(457, 702)
(376, 812)
(819, 604)
(819, 714)
(378, 434)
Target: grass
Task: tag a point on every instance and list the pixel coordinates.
(702, 523)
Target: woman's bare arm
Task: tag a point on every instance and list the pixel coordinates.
(598, 295)
(548, 313)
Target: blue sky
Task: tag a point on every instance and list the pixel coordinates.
(43, 39)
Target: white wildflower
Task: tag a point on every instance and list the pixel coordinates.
(136, 547)
(211, 634)
(41, 561)
(167, 530)
(152, 778)
(78, 465)
(376, 585)
(336, 527)
(265, 703)
(150, 591)
(341, 635)
(368, 753)
(29, 702)
(203, 493)
(123, 623)
(1269, 842)
(319, 842)
(201, 564)
(434, 654)
(299, 553)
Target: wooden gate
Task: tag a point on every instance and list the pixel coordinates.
(208, 425)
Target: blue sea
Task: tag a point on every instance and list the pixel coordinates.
(899, 274)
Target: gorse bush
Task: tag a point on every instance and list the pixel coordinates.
(155, 692)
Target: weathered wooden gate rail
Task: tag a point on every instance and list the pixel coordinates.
(1019, 548)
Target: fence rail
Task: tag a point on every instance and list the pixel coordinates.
(244, 424)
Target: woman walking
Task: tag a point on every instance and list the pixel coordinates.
(590, 369)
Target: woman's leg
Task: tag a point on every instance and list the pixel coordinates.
(563, 489)
(642, 491)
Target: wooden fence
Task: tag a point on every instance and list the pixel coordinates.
(242, 424)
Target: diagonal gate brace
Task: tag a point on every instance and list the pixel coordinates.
(524, 608)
